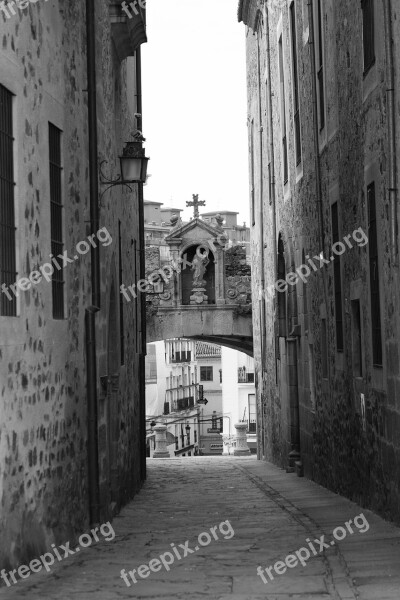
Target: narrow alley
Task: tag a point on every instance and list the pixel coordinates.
(260, 515)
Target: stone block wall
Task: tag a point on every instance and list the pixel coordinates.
(350, 451)
(43, 413)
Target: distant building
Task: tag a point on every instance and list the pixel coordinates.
(237, 234)
(239, 395)
(179, 373)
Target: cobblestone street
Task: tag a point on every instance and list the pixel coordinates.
(272, 514)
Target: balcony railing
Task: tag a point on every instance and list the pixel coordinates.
(183, 403)
(244, 376)
(182, 357)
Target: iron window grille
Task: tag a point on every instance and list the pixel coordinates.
(374, 277)
(320, 73)
(296, 107)
(121, 302)
(368, 34)
(8, 273)
(56, 218)
(283, 115)
(337, 281)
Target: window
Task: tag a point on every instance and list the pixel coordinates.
(374, 277)
(252, 178)
(320, 66)
(252, 424)
(356, 338)
(206, 374)
(121, 302)
(296, 104)
(311, 375)
(56, 218)
(220, 375)
(283, 114)
(8, 274)
(305, 297)
(184, 403)
(324, 349)
(151, 363)
(337, 275)
(184, 356)
(368, 34)
(282, 297)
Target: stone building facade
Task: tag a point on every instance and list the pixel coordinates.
(323, 82)
(72, 419)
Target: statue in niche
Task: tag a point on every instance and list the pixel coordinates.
(199, 266)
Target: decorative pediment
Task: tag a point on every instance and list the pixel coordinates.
(196, 230)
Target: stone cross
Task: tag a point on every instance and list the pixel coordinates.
(196, 203)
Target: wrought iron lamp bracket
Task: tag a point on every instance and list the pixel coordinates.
(104, 180)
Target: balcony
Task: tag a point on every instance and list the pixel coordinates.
(244, 376)
(182, 357)
(183, 403)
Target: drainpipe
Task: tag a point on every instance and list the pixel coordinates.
(262, 265)
(391, 130)
(90, 312)
(142, 269)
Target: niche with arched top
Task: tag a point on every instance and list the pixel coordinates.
(187, 275)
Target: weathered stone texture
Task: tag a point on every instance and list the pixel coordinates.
(43, 416)
(362, 462)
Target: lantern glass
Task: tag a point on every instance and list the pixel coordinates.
(131, 168)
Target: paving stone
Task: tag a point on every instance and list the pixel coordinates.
(272, 514)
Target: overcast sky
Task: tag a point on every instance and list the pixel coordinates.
(194, 105)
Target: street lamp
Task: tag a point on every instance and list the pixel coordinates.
(134, 162)
(133, 165)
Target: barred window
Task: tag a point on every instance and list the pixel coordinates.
(296, 104)
(374, 277)
(8, 304)
(368, 34)
(121, 302)
(206, 374)
(337, 281)
(56, 211)
(283, 113)
(320, 65)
